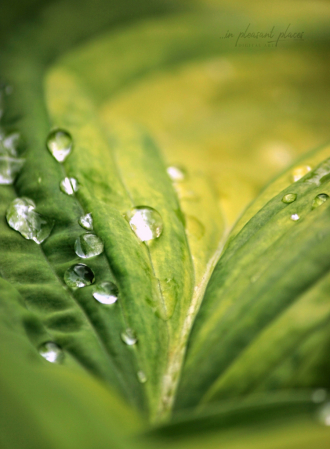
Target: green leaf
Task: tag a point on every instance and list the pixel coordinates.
(286, 419)
(263, 322)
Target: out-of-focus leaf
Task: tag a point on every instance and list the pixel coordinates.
(288, 420)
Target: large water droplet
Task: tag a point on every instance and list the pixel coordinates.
(86, 222)
(294, 217)
(106, 293)
(51, 352)
(300, 172)
(142, 377)
(59, 143)
(129, 337)
(69, 185)
(176, 173)
(9, 169)
(146, 222)
(319, 200)
(289, 198)
(22, 217)
(79, 276)
(88, 245)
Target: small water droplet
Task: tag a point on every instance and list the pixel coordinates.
(300, 172)
(69, 185)
(289, 198)
(86, 222)
(176, 173)
(59, 143)
(106, 293)
(88, 245)
(129, 337)
(142, 377)
(9, 169)
(146, 222)
(294, 217)
(51, 352)
(22, 217)
(319, 200)
(319, 395)
(78, 276)
(324, 414)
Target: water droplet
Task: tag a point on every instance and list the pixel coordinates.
(9, 169)
(142, 377)
(59, 143)
(88, 245)
(289, 198)
(176, 173)
(319, 395)
(319, 200)
(129, 337)
(79, 276)
(9, 144)
(324, 414)
(106, 293)
(22, 217)
(294, 217)
(86, 222)
(51, 352)
(300, 172)
(69, 186)
(146, 222)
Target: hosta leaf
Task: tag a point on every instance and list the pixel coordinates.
(285, 420)
(266, 304)
(119, 165)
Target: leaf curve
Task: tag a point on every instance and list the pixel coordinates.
(259, 294)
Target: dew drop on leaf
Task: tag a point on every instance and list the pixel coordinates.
(69, 185)
(146, 222)
(9, 143)
(141, 377)
(300, 172)
(88, 245)
(59, 143)
(9, 168)
(22, 217)
(86, 222)
(289, 198)
(78, 276)
(106, 293)
(129, 337)
(294, 217)
(51, 352)
(319, 200)
(176, 174)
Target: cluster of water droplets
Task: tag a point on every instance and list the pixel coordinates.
(316, 178)
(22, 216)
(10, 163)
